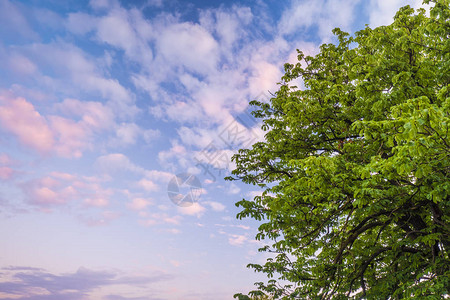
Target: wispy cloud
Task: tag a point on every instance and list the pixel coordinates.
(33, 283)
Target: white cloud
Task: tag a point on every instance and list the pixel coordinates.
(127, 30)
(81, 23)
(198, 137)
(253, 194)
(228, 24)
(128, 134)
(194, 210)
(94, 115)
(21, 65)
(177, 155)
(157, 175)
(382, 12)
(71, 64)
(139, 203)
(237, 240)
(326, 14)
(13, 23)
(233, 189)
(117, 162)
(215, 206)
(147, 185)
(189, 45)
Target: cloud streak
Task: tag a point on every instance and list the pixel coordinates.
(33, 283)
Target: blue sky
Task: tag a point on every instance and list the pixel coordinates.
(103, 102)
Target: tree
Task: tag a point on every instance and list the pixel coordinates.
(355, 166)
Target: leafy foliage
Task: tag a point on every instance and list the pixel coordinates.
(355, 166)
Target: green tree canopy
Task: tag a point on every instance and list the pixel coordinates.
(355, 166)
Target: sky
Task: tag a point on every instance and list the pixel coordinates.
(118, 121)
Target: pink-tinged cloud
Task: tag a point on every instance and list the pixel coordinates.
(45, 196)
(19, 117)
(194, 210)
(5, 159)
(236, 239)
(93, 115)
(6, 173)
(139, 204)
(62, 175)
(63, 136)
(72, 137)
(44, 192)
(147, 185)
(147, 222)
(59, 188)
(97, 202)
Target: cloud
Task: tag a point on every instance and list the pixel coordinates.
(139, 203)
(233, 189)
(177, 155)
(57, 188)
(33, 284)
(228, 24)
(98, 201)
(117, 162)
(118, 297)
(81, 23)
(21, 65)
(19, 117)
(94, 115)
(148, 185)
(383, 12)
(215, 206)
(199, 137)
(325, 14)
(53, 133)
(157, 175)
(62, 63)
(128, 134)
(253, 194)
(173, 231)
(157, 3)
(237, 239)
(189, 45)
(72, 136)
(151, 219)
(6, 172)
(13, 23)
(194, 210)
(116, 30)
